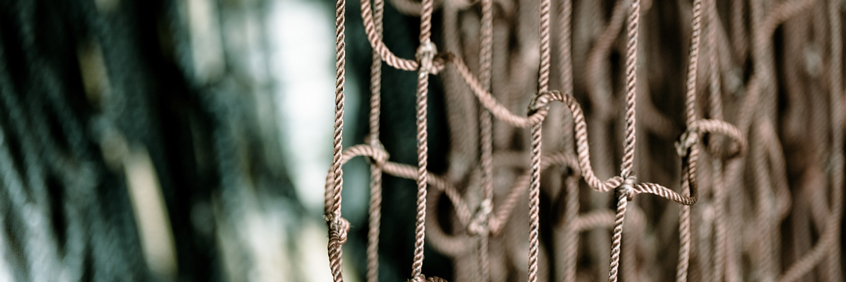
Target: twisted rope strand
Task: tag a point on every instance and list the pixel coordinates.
(690, 169)
(375, 213)
(537, 140)
(486, 136)
(333, 215)
(616, 239)
(631, 89)
(425, 55)
(759, 101)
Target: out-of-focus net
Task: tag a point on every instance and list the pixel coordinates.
(719, 123)
(121, 160)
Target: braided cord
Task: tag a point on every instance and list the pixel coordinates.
(689, 178)
(425, 55)
(334, 214)
(486, 137)
(375, 213)
(631, 89)
(537, 140)
(617, 238)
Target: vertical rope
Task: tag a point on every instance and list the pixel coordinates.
(335, 238)
(375, 172)
(836, 103)
(543, 72)
(485, 70)
(425, 55)
(534, 187)
(571, 184)
(622, 199)
(566, 68)
(566, 61)
(690, 170)
(628, 251)
(534, 201)
(484, 272)
(631, 136)
(375, 223)
(684, 237)
(631, 88)
(486, 133)
(422, 173)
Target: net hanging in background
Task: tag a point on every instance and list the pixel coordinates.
(747, 141)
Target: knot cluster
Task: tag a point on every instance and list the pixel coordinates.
(627, 189)
(426, 57)
(479, 225)
(338, 229)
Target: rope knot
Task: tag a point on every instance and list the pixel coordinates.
(338, 229)
(686, 141)
(626, 189)
(540, 102)
(380, 155)
(426, 56)
(479, 224)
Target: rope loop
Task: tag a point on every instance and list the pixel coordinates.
(426, 56)
(541, 101)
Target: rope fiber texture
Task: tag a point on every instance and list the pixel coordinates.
(764, 105)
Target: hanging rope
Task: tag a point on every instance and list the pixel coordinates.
(492, 213)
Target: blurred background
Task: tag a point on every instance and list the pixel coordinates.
(170, 140)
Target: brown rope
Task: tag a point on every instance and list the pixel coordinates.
(425, 55)
(338, 227)
(537, 139)
(622, 199)
(375, 214)
(690, 169)
(486, 137)
(506, 70)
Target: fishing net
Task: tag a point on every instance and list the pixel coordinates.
(634, 140)
(122, 161)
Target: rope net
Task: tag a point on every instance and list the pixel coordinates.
(756, 178)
